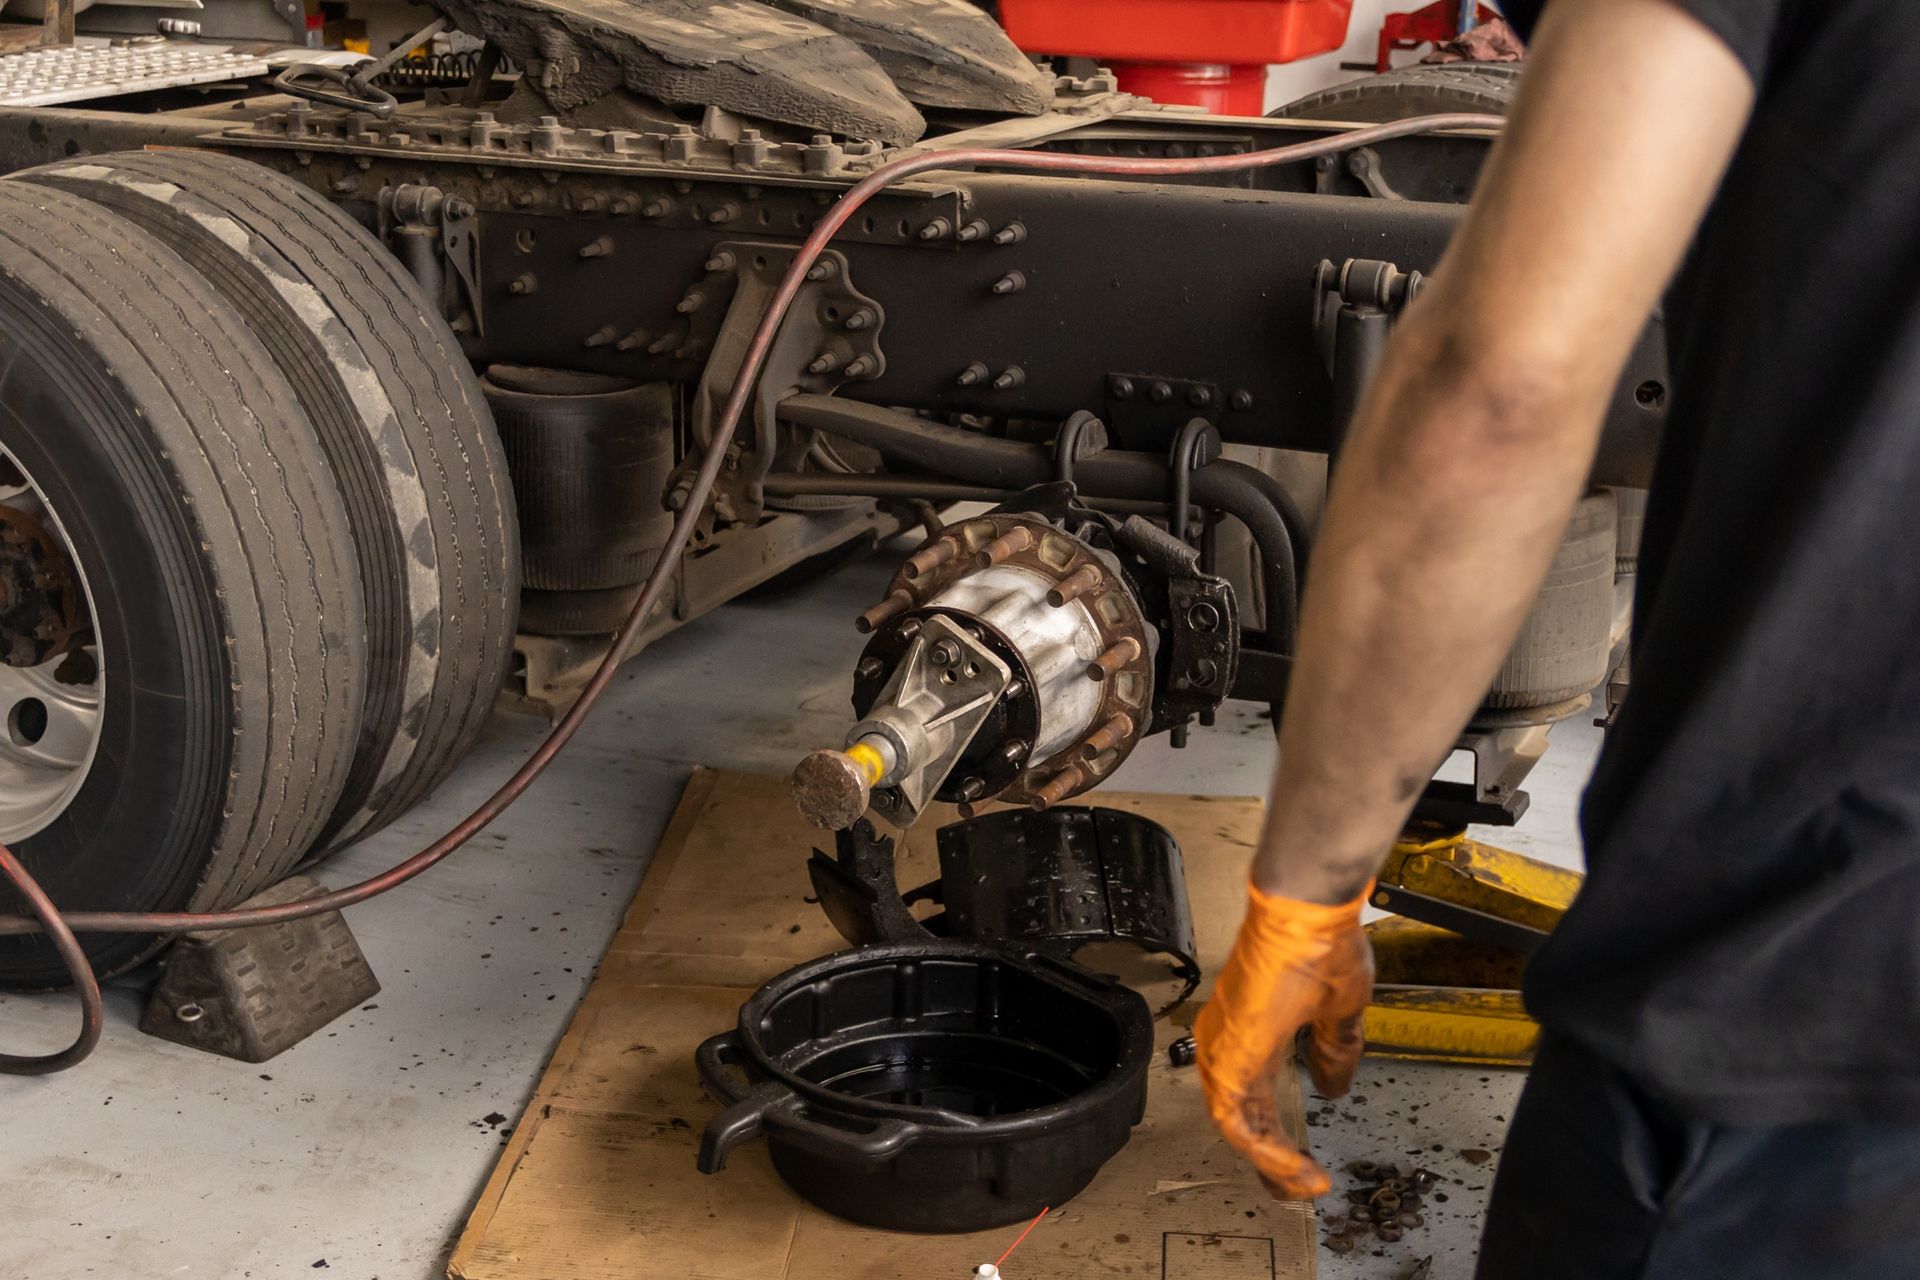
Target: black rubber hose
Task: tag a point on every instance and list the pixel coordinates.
(1245, 493)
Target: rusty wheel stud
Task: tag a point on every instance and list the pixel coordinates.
(1014, 540)
(1125, 651)
(1058, 788)
(897, 603)
(1109, 735)
(1074, 585)
(929, 558)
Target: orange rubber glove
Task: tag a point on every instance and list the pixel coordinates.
(1294, 964)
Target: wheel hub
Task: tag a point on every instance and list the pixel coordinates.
(40, 605)
(51, 684)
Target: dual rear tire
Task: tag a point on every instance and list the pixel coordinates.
(277, 489)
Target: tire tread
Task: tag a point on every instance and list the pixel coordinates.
(273, 528)
(416, 454)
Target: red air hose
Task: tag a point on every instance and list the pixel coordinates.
(62, 928)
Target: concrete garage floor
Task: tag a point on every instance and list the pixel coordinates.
(359, 1153)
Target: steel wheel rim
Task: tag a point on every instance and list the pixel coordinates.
(49, 727)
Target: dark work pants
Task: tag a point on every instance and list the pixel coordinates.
(1600, 1180)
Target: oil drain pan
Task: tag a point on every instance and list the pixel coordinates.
(932, 1085)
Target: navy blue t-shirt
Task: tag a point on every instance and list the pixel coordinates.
(1747, 944)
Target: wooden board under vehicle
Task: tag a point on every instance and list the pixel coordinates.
(598, 1180)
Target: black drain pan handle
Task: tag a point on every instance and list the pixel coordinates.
(754, 1108)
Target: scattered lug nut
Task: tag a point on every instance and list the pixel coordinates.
(1183, 1052)
(1385, 1206)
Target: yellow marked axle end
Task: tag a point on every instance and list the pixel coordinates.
(868, 760)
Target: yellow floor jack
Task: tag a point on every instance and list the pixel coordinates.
(1466, 915)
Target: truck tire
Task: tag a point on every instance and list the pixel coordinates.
(403, 424)
(144, 423)
(1420, 90)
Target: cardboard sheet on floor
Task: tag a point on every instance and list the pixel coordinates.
(598, 1180)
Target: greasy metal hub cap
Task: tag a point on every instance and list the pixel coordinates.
(50, 672)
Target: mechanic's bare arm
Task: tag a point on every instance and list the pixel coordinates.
(1462, 465)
